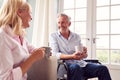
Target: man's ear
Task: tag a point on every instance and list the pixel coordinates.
(69, 23)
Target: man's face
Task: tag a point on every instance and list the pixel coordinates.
(63, 23)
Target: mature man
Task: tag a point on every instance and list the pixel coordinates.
(63, 45)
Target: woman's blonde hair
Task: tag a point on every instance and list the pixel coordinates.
(8, 14)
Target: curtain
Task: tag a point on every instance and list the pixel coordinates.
(44, 21)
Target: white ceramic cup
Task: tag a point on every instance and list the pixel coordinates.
(79, 48)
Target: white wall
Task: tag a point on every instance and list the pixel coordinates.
(115, 74)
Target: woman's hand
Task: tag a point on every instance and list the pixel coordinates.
(38, 53)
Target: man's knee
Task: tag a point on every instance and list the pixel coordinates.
(75, 66)
(103, 69)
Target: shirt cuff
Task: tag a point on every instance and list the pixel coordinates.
(17, 73)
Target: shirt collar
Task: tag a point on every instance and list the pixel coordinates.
(71, 34)
(8, 31)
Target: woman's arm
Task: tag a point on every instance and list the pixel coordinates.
(36, 55)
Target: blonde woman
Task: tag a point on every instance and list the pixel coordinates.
(16, 55)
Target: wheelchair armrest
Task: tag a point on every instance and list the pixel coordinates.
(92, 60)
(61, 61)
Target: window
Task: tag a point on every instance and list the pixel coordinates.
(97, 22)
(107, 30)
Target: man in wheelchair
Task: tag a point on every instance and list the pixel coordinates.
(63, 45)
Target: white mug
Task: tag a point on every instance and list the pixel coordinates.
(79, 48)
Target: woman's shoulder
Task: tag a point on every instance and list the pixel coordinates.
(6, 39)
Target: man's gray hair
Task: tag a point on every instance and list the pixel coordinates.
(63, 14)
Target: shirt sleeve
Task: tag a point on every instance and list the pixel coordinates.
(7, 71)
(54, 45)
